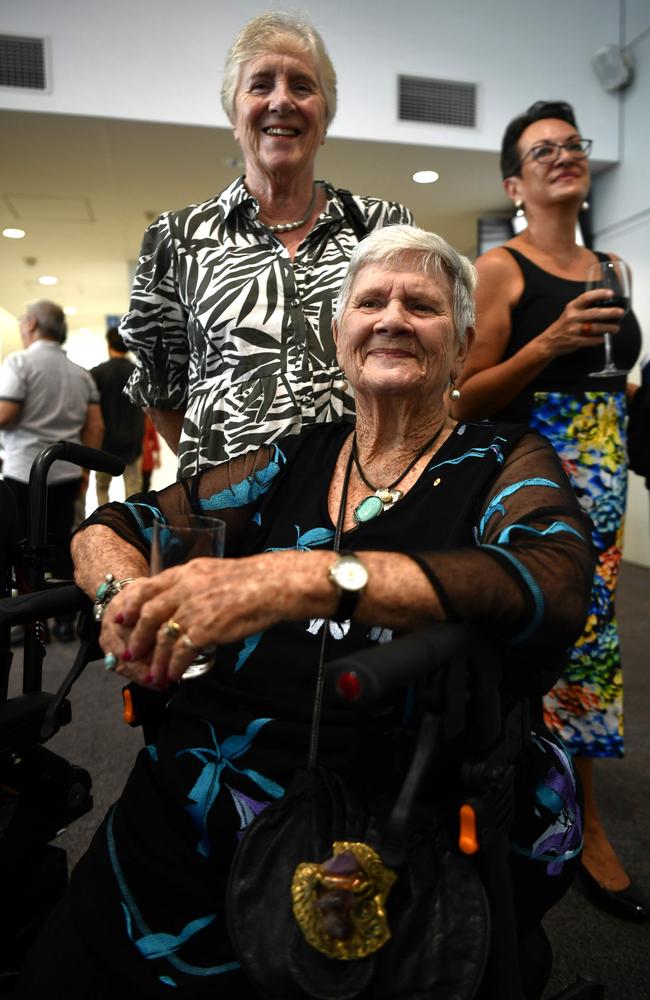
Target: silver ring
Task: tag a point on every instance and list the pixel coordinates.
(172, 629)
(110, 661)
(190, 645)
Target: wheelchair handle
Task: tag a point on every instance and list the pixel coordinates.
(366, 677)
(66, 451)
(43, 604)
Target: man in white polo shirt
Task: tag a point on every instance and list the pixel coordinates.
(44, 398)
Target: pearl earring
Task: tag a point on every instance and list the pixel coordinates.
(585, 205)
(520, 210)
(454, 393)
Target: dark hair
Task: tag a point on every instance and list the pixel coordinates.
(115, 342)
(510, 158)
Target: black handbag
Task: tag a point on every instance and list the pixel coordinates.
(638, 433)
(436, 910)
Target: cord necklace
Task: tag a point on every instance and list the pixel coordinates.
(384, 497)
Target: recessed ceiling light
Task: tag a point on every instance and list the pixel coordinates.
(13, 234)
(425, 176)
(70, 310)
(48, 279)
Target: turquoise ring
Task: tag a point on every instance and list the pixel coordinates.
(110, 661)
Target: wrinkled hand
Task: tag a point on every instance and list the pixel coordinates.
(581, 324)
(115, 638)
(215, 601)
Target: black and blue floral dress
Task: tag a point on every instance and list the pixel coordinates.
(497, 523)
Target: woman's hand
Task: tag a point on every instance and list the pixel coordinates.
(115, 638)
(215, 601)
(581, 324)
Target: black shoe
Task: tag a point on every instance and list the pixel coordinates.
(64, 631)
(628, 904)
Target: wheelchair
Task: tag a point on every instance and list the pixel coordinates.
(458, 675)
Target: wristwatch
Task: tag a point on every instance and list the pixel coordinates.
(349, 576)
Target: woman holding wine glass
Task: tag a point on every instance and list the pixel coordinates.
(538, 357)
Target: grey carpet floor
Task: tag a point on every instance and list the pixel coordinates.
(585, 941)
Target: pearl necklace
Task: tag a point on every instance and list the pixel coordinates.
(384, 496)
(288, 227)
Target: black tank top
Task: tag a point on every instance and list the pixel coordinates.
(542, 300)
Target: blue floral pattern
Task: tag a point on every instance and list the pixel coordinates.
(588, 432)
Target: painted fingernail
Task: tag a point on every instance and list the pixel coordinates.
(127, 655)
(119, 619)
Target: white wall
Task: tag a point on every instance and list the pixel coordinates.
(622, 224)
(160, 60)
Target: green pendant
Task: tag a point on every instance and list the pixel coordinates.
(367, 509)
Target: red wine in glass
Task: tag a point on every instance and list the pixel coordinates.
(614, 275)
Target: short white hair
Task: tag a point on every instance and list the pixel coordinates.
(278, 31)
(426, 252)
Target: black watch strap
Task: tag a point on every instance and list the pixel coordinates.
(346, 607)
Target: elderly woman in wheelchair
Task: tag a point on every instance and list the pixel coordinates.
(338, 538)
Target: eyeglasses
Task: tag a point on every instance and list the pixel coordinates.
(548, 152)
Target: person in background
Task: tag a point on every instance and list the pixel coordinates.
(45, 398)
(232, 302)
(150, 453)
(539, 336)
(123, 422)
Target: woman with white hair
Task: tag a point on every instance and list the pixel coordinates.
(336, 538)
(232, 302)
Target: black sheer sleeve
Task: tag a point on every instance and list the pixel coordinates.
(228, 491)
(529, 576)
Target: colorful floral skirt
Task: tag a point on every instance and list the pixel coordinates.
(588, 432)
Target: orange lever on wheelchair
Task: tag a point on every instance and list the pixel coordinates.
(129, 713)
(467, 838)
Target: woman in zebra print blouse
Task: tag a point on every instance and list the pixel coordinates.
(232, 303)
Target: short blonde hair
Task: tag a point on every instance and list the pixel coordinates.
(428, 253)
(278, 31)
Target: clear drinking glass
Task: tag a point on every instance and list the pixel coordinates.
(186, 537)
(616, 275)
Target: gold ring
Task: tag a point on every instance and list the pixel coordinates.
(190, 645)
(586, 328)
(172, 629)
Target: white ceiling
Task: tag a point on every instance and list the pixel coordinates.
(84, 189)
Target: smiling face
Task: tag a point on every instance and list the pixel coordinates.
(397, 337)
(280, 114)
(564, 179)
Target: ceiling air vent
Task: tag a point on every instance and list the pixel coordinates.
(22, 62)
(437, 102)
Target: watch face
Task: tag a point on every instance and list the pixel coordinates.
(350, 573)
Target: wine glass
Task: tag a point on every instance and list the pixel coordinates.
(615, 275)
(177, 541)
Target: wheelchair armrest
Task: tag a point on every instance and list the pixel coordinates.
(65, 599)
(364, 678)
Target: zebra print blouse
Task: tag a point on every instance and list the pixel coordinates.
(226, 327)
